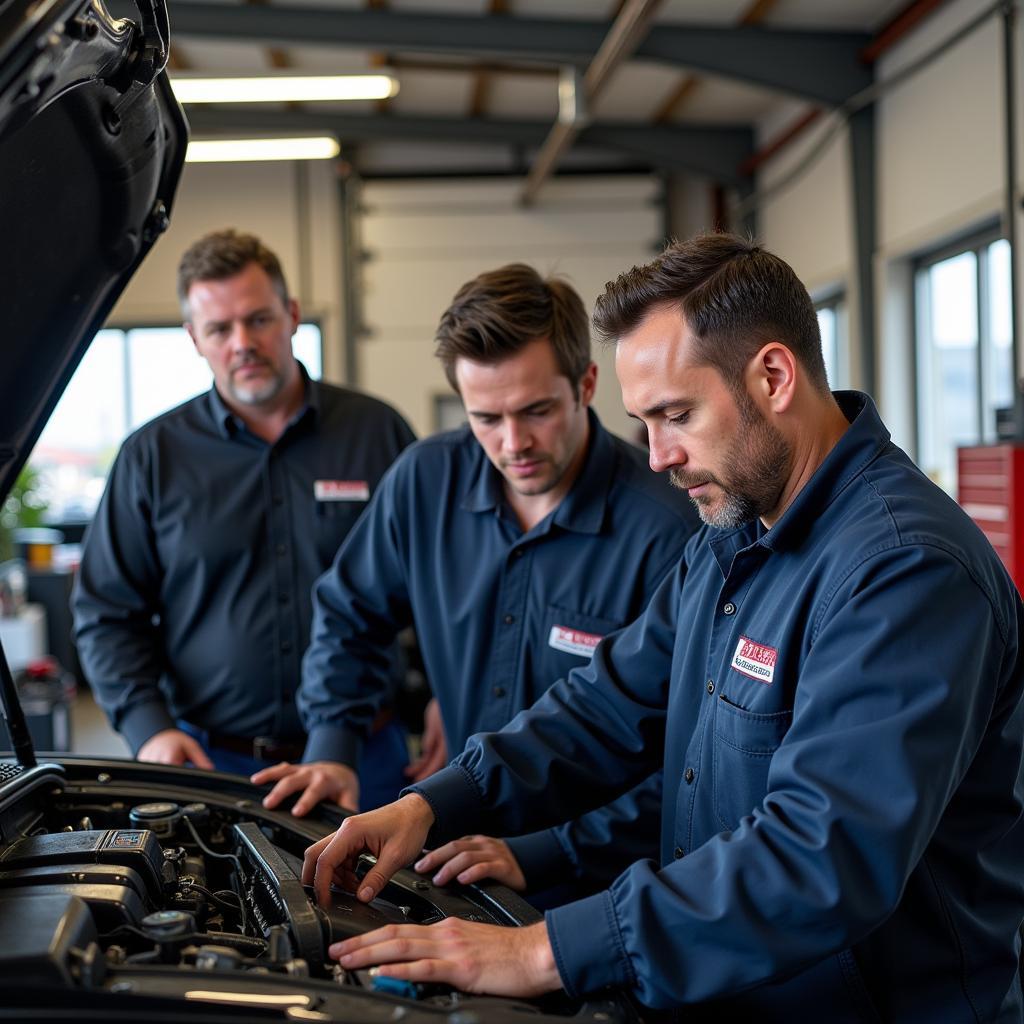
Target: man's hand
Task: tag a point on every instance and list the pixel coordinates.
(172, 746)
(321, 780)
(394, 834)
(472, 957)
(471, 858)
(433, 749)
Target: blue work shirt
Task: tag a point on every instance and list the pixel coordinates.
(500, 613)
(194, 596)
(839, 702)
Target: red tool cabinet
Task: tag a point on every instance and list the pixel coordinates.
(991, 491)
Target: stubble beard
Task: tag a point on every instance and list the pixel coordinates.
(752, 476)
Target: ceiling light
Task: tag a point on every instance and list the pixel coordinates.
(284, 88)
(208, 151)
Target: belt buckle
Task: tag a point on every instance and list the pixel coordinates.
(261, 747)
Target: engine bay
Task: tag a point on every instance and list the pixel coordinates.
(123, 883)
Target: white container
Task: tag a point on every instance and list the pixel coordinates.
(24, 636)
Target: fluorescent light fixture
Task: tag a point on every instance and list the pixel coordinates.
(284, 88)
(210, 151)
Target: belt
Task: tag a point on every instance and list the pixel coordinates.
(263, 748)
(270, 748)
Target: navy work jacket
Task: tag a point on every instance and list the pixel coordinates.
(500, 614)
(837, 705)
(193, 599)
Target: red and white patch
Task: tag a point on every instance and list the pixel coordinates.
(573, 641)
(755, 660)
(341, 490)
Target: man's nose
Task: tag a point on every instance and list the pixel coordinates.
(517, 436)
(664, 454)
(241, 336)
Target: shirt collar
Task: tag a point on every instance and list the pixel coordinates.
(862, 442)
(229, 425)
(582, 510)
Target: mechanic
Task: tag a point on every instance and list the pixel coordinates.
(193, 604)
(833, 674)
(514, 544)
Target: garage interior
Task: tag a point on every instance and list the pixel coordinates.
(872, 144)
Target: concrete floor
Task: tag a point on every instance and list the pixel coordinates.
(90, 732)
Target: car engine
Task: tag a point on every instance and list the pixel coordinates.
(125, 886)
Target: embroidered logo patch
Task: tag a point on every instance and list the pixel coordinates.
(572, 641)
(341, 490)
(755, 660)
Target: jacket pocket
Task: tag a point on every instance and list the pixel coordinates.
(744, 744)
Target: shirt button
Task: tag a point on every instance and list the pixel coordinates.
(677, 852)
(711, 685)
(286, 646)
(284, 597)
(729, 608)
(281, 550)
(499, 691)
(278, 499)
(688, 775)
(518, 553)
(509, 619)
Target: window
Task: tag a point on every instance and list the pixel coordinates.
(125, 378)
(832, 322)
(964, 359)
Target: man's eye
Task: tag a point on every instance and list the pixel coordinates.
(487, 421)
(260, 321)
(680, 417)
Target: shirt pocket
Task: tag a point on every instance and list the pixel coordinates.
(332, 521)
(744, 744)
(568, 639)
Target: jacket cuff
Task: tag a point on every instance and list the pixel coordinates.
(588, 947)
(541, 859)
(333, 743)
(142, 722)
(455, 800)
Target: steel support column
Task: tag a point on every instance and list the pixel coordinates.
(865, 232)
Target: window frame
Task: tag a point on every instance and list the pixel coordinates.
(835, 300)
(976, 241)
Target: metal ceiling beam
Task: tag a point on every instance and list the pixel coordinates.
(701, 149)
(819, 66)
(626, 33)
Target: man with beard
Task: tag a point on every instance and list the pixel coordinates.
(832, 682)
(192, 608)
(513, 544)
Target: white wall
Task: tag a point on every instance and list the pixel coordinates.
(293, 207)
(425, 239)
(940, 163)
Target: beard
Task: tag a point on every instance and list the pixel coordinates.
(257, 392)
(752, 476)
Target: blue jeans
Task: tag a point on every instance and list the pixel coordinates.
(380, 769)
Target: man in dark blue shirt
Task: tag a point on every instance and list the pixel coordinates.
(192, 608)
(514, 544)
(832, 681)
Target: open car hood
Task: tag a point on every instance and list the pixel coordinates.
(92, 144)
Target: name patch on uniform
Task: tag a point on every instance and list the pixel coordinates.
(572, 641)
(755, 660)
(341, 490)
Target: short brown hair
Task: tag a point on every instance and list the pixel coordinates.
(735, 297)
(222, 254)
(501, 311)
